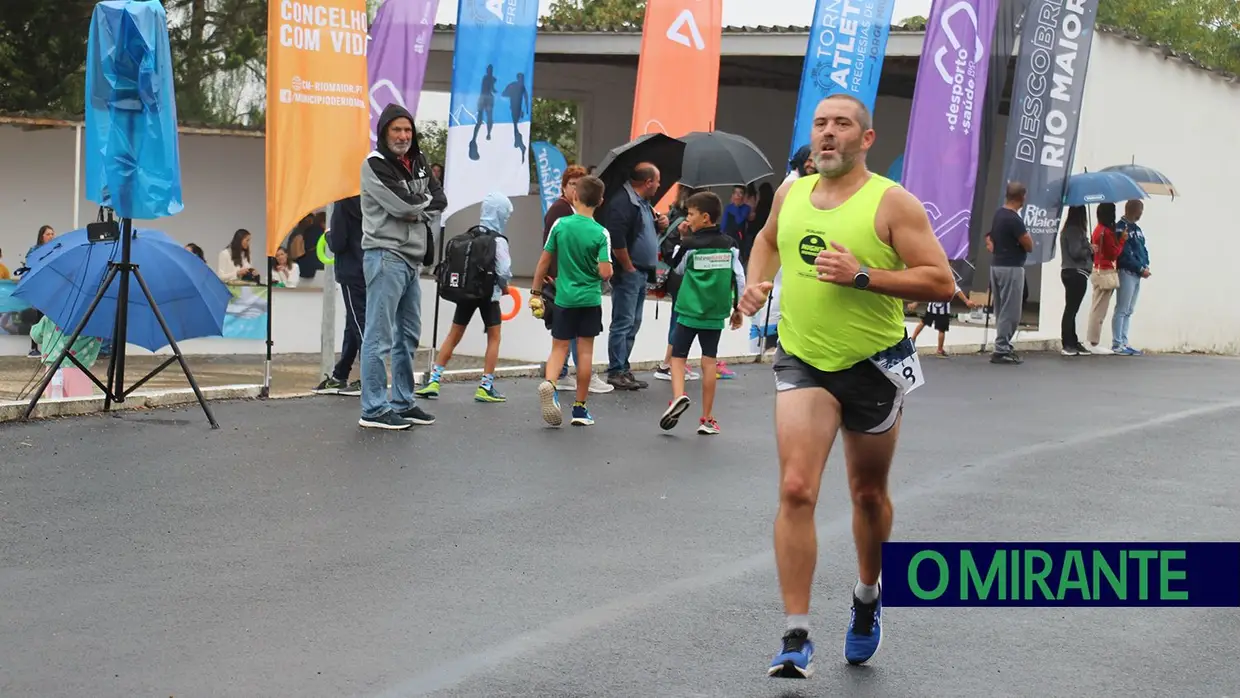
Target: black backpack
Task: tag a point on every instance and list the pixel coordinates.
(467, 271)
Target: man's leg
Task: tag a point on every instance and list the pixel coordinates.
(1009, 284)
(354, 295)
(618, 347)
(807, 418)
(383, 287)
(409, 334)
(639, 311)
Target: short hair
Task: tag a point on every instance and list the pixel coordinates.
(644, 172)
(1016, 191)
(706, 202)
(590, 191)
(863, 112)
(570, 173)
(1132, 206)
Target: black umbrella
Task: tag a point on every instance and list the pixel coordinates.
(664, 152)
(718, 159)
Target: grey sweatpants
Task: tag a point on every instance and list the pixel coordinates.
(1007, 286)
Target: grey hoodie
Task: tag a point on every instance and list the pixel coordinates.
(399, 198)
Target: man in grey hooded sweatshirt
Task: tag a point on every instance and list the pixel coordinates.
(399, 199)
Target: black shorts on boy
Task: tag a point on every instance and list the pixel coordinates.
(682, 341)
(489, 311)
(939, 321)
(570, 323)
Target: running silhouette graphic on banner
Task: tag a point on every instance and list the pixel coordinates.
(493, 66)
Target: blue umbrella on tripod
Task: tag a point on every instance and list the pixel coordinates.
(67, 274)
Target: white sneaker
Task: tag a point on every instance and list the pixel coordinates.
(691, 376)
(1100, 350)
(597, 385)
(567, 383)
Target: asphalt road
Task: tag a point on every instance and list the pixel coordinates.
(292, 554)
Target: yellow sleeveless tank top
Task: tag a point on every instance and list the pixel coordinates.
(828, 326)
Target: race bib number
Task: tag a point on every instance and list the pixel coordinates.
(712, 261)
(902, 362)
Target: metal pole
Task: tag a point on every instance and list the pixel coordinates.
(77, 176)
(122, 308)
(271, 270)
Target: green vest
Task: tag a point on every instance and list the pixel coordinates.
(707, 294)
(828, 326)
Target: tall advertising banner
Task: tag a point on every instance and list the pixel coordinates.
(400, 44)
(847, 44)
(1007, 28)
(492, 68)
(551, 164)
(679, 38)
(1046, 111)
(317, 116)
(941, 154)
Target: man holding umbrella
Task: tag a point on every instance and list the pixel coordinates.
(634, 227)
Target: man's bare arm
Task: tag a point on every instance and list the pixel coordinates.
(928, 277)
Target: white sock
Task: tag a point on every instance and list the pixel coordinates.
(798, 623)
(866, 593)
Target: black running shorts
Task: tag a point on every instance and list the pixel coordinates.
(682, 341)
(571, 323)
(488, 310)
(938, 321)
(870, 398)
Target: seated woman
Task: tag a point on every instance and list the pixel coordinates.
(286, 273)
(234, 261)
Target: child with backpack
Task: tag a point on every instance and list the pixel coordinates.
(712, 277)
(581, 249)
(474, 274)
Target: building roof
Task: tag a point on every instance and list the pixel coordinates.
(51, 120)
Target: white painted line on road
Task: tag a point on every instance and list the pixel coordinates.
(565, 630)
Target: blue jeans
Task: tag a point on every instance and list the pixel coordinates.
(393, 327)
(628, 300)
(1125, 303)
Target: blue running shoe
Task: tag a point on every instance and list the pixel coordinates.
(865, 630)
(549, 404)
(582, 416)
(796, 661)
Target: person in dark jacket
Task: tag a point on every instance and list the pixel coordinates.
(399, 200)
(344, 238)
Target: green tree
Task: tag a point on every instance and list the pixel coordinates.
(213, 41)
(1209, 30)
(43, 55)
(610, 14)
(433, 140)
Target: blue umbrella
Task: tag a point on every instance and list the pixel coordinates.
(1101, 188)
(66, 274)
(1150, 180)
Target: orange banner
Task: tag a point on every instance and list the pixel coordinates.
(678, 71)
(318, 120)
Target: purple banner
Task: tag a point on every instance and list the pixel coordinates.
(944, 133)
(400, 44)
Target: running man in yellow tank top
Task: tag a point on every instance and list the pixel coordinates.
(851, 245)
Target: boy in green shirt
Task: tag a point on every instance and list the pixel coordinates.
(581, 249)
(712, 277)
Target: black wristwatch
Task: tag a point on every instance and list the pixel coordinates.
(862, 279)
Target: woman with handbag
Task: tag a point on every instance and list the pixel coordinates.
(1107, 246)
(1078, 260)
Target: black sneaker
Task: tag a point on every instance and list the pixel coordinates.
(329, 386)
(641, 384)
(622, 381)
(353, 389)
(388, 420)
(1011, 359)
(415, 415)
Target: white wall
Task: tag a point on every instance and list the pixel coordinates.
(222, 180)
(1181, 121)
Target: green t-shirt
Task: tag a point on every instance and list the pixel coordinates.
(579, 244)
